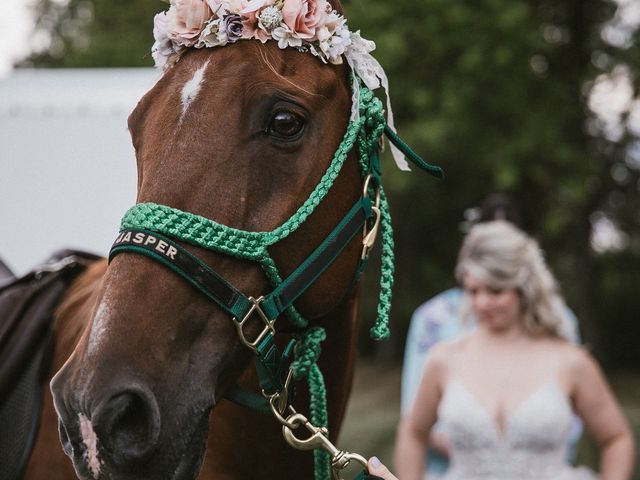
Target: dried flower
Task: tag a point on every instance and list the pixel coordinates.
(270, 18)
(232, 25)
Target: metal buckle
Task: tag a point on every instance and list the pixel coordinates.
(281, 397)
(268, 329)
(369, 235)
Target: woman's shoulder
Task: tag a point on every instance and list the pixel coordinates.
(441, 359)
(576, 360)
(443, 353)
(571, 354)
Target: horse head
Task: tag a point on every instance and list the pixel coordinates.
(252, 175)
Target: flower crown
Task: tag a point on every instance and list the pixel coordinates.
(308, 25)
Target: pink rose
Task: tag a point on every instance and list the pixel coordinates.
(186, 20)
(304, 16)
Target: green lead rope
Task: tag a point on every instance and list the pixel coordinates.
(411, 155)
(307, 352)
(380, 330)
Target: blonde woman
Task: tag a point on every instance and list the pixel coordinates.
(504, 393)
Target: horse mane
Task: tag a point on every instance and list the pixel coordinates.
(74, 311)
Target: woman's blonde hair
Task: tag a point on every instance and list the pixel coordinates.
(501, 256)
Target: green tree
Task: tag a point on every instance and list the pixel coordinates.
(94, 33)
(496, 92)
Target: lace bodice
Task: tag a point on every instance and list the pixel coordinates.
(530, 446)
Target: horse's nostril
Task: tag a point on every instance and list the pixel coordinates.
(128, 425)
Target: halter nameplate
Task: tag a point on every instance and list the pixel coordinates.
(147, 240)
(183, 263)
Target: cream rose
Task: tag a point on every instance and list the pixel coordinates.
(186, 20)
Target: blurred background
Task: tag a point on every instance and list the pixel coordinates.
(536, 98)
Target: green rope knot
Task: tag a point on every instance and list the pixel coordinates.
(307, 351)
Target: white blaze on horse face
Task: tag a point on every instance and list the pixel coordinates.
(99, 326)
(191, 88)
(91, 443)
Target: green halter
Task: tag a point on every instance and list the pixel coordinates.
(149, 228)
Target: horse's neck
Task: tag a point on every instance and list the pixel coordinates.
(48, 461)
(75, 310)
(245, 445)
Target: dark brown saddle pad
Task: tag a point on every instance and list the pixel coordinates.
(26, 309)
(27, 305)
(6, 274)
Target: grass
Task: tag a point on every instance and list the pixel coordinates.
(374, 411)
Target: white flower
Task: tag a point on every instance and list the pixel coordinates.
(285, 37)
(362, 44)
(323, 34)
(210, 36)
(338, 43)
(333, 21)
(222, 37)
(163, 46)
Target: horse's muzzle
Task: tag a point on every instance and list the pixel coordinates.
(116, 432)
(120, 433)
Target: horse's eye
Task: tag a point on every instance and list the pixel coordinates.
(285, 124)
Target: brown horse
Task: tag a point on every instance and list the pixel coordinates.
(152, 356)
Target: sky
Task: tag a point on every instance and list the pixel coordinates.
(15, 28)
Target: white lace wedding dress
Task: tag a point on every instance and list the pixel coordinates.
(531, 447)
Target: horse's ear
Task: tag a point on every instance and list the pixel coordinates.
(337, 6)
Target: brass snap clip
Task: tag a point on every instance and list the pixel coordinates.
(319, 439)
(369, 234)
